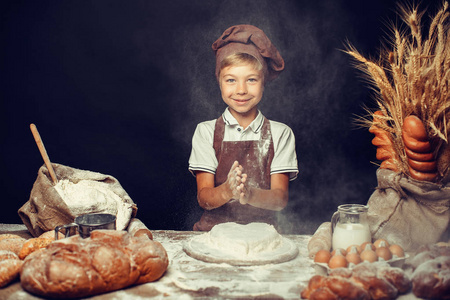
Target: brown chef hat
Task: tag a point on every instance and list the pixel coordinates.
(251, 40)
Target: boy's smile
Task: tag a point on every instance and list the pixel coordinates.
(242, 88)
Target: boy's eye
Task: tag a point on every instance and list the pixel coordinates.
(230, 80)
(253, 80)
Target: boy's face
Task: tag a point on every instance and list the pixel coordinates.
(242, 88)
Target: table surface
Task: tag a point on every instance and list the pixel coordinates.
(189, 278)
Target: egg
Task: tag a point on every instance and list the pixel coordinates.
(397, 250)
(381, 243)
(353, 258)
(322, 256)
(339, 251)
(337, 261)
(364, 246)
(369, 255)
(384, 253)
(351, 247)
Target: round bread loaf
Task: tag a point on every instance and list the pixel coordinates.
(6, 254)
(9, 236)
(431, 279)
(429, 252)
(51, 235)
(9, 270)
(12, 243)
(106, 261)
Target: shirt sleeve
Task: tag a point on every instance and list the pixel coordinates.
(203, 155)
(285, 158)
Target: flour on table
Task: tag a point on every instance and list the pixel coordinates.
(244, 240)
(90, 196)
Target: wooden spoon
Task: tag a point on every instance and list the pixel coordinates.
(44, 154)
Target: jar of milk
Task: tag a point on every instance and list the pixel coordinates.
(349, 226)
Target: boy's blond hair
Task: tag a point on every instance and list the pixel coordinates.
(241, 58)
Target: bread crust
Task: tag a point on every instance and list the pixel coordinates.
(365, 281)
(109, 260)
(431, 276)
(9, 271)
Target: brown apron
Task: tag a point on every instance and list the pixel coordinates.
(256, 158)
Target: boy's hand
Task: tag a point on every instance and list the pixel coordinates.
(234, 179)
(244, 194)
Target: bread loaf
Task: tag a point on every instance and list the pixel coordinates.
(12, 243)
(138, 228)
(333, 287)
(431, 279)
(6, 254)
(51, 235)
(9, 267)
(106, 261)
(428, 252)
(321, 240)
(365, 281)
(32, 245)
(9, 236)
(9, 270)
(431, 276)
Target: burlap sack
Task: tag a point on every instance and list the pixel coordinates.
(45, 208)
(409, 212)
(403, 211)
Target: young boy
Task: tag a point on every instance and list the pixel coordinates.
(242, 161)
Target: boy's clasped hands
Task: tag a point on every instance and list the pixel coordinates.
(237, 183)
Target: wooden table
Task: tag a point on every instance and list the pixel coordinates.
(188, 278)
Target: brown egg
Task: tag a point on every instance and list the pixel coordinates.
(397, 250)
(381, 243)
(337, 261)
(353, 257)
(384, 253)
(351, 247)
(339, 251)
(364, 246)
(369, 255)
(322, 256)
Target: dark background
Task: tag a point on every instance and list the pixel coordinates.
(117, 87)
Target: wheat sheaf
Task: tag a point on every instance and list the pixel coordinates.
(411, 77)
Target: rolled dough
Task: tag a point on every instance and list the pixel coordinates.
(236, 244)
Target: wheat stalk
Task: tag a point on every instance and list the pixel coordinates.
(414, 81)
